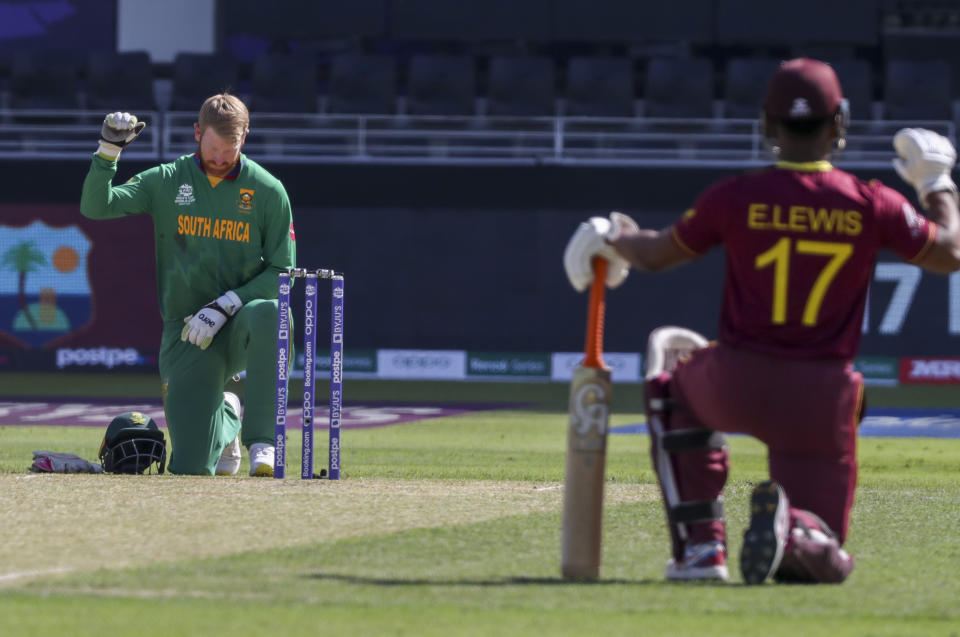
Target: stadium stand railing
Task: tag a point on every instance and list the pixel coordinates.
(66, 134)
(324, 138)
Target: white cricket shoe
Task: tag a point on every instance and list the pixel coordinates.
(706, 561)
(261, 459)
(233, 401)
(229, 463)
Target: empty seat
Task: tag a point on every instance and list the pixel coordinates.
(362, 84)
(197, 76)
(856, 78)
(745, 85)
(521, 86)
(284, 83)
(441, 85)
(120, 81)
(44, 80)
(679, 87)
(917, 90)
(926, 44)
(600, 87)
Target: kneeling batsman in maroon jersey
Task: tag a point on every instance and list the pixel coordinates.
(801, 238)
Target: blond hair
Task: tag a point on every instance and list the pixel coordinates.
(227, 115)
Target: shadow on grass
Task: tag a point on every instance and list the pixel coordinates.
(506, 581)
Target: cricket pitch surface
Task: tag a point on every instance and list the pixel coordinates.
(150, 518)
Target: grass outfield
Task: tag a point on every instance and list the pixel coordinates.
(448, 526)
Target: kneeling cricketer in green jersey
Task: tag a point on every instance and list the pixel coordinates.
(223, 230)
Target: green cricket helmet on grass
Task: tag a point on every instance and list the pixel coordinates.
(133, 444)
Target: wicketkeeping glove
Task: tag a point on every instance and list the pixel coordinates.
(925, 161)
(201, 327)
(52, 462)
(589, 241)
(118, 130)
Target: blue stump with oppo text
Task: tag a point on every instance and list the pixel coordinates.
(285, 364)
(336, 373)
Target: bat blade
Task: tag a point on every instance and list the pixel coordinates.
(590, 394)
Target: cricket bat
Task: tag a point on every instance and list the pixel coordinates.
(590, 393)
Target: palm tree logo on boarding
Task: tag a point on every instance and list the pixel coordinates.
(48, 294)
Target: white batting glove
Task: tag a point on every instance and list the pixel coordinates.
(201, 327)
(587, 242)
(622, 224)
(925, 161)
(118, 130)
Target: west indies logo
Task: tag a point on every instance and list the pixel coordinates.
(44, 290)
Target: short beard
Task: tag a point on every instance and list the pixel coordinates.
(204, 165)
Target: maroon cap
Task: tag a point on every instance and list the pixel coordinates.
(803, 89)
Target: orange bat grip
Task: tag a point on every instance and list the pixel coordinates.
(593, 352)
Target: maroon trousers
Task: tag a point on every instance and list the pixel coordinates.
(805, 411)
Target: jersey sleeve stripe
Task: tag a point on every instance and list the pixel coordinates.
(931, 237)
(683, 246)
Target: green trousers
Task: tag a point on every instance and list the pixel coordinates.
(193, 380)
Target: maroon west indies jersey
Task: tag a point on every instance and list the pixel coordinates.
(801, 241)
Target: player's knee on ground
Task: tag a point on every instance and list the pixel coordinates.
(690, 460)
(190, 468)
(195, 460)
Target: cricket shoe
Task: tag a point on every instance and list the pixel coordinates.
(705, 561)
(229, 462)
(813, 556)
(261, 459)
(233, 401)
(765, 538)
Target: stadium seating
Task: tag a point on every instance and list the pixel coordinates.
(918, 90)
(197, 76)
(679, 87)
(120, 81)
(44, 80)
(479, 78)
(362, 84)
(927, 45)
(441, 85)
(745, 85)
(521, 85)
(856, 78)
(284, 83)
(600, 87)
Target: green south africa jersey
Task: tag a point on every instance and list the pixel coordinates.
(235, 236)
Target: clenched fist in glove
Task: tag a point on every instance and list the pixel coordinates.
(118, 130)
(201, 327)
(925, 161)
(590, 240)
